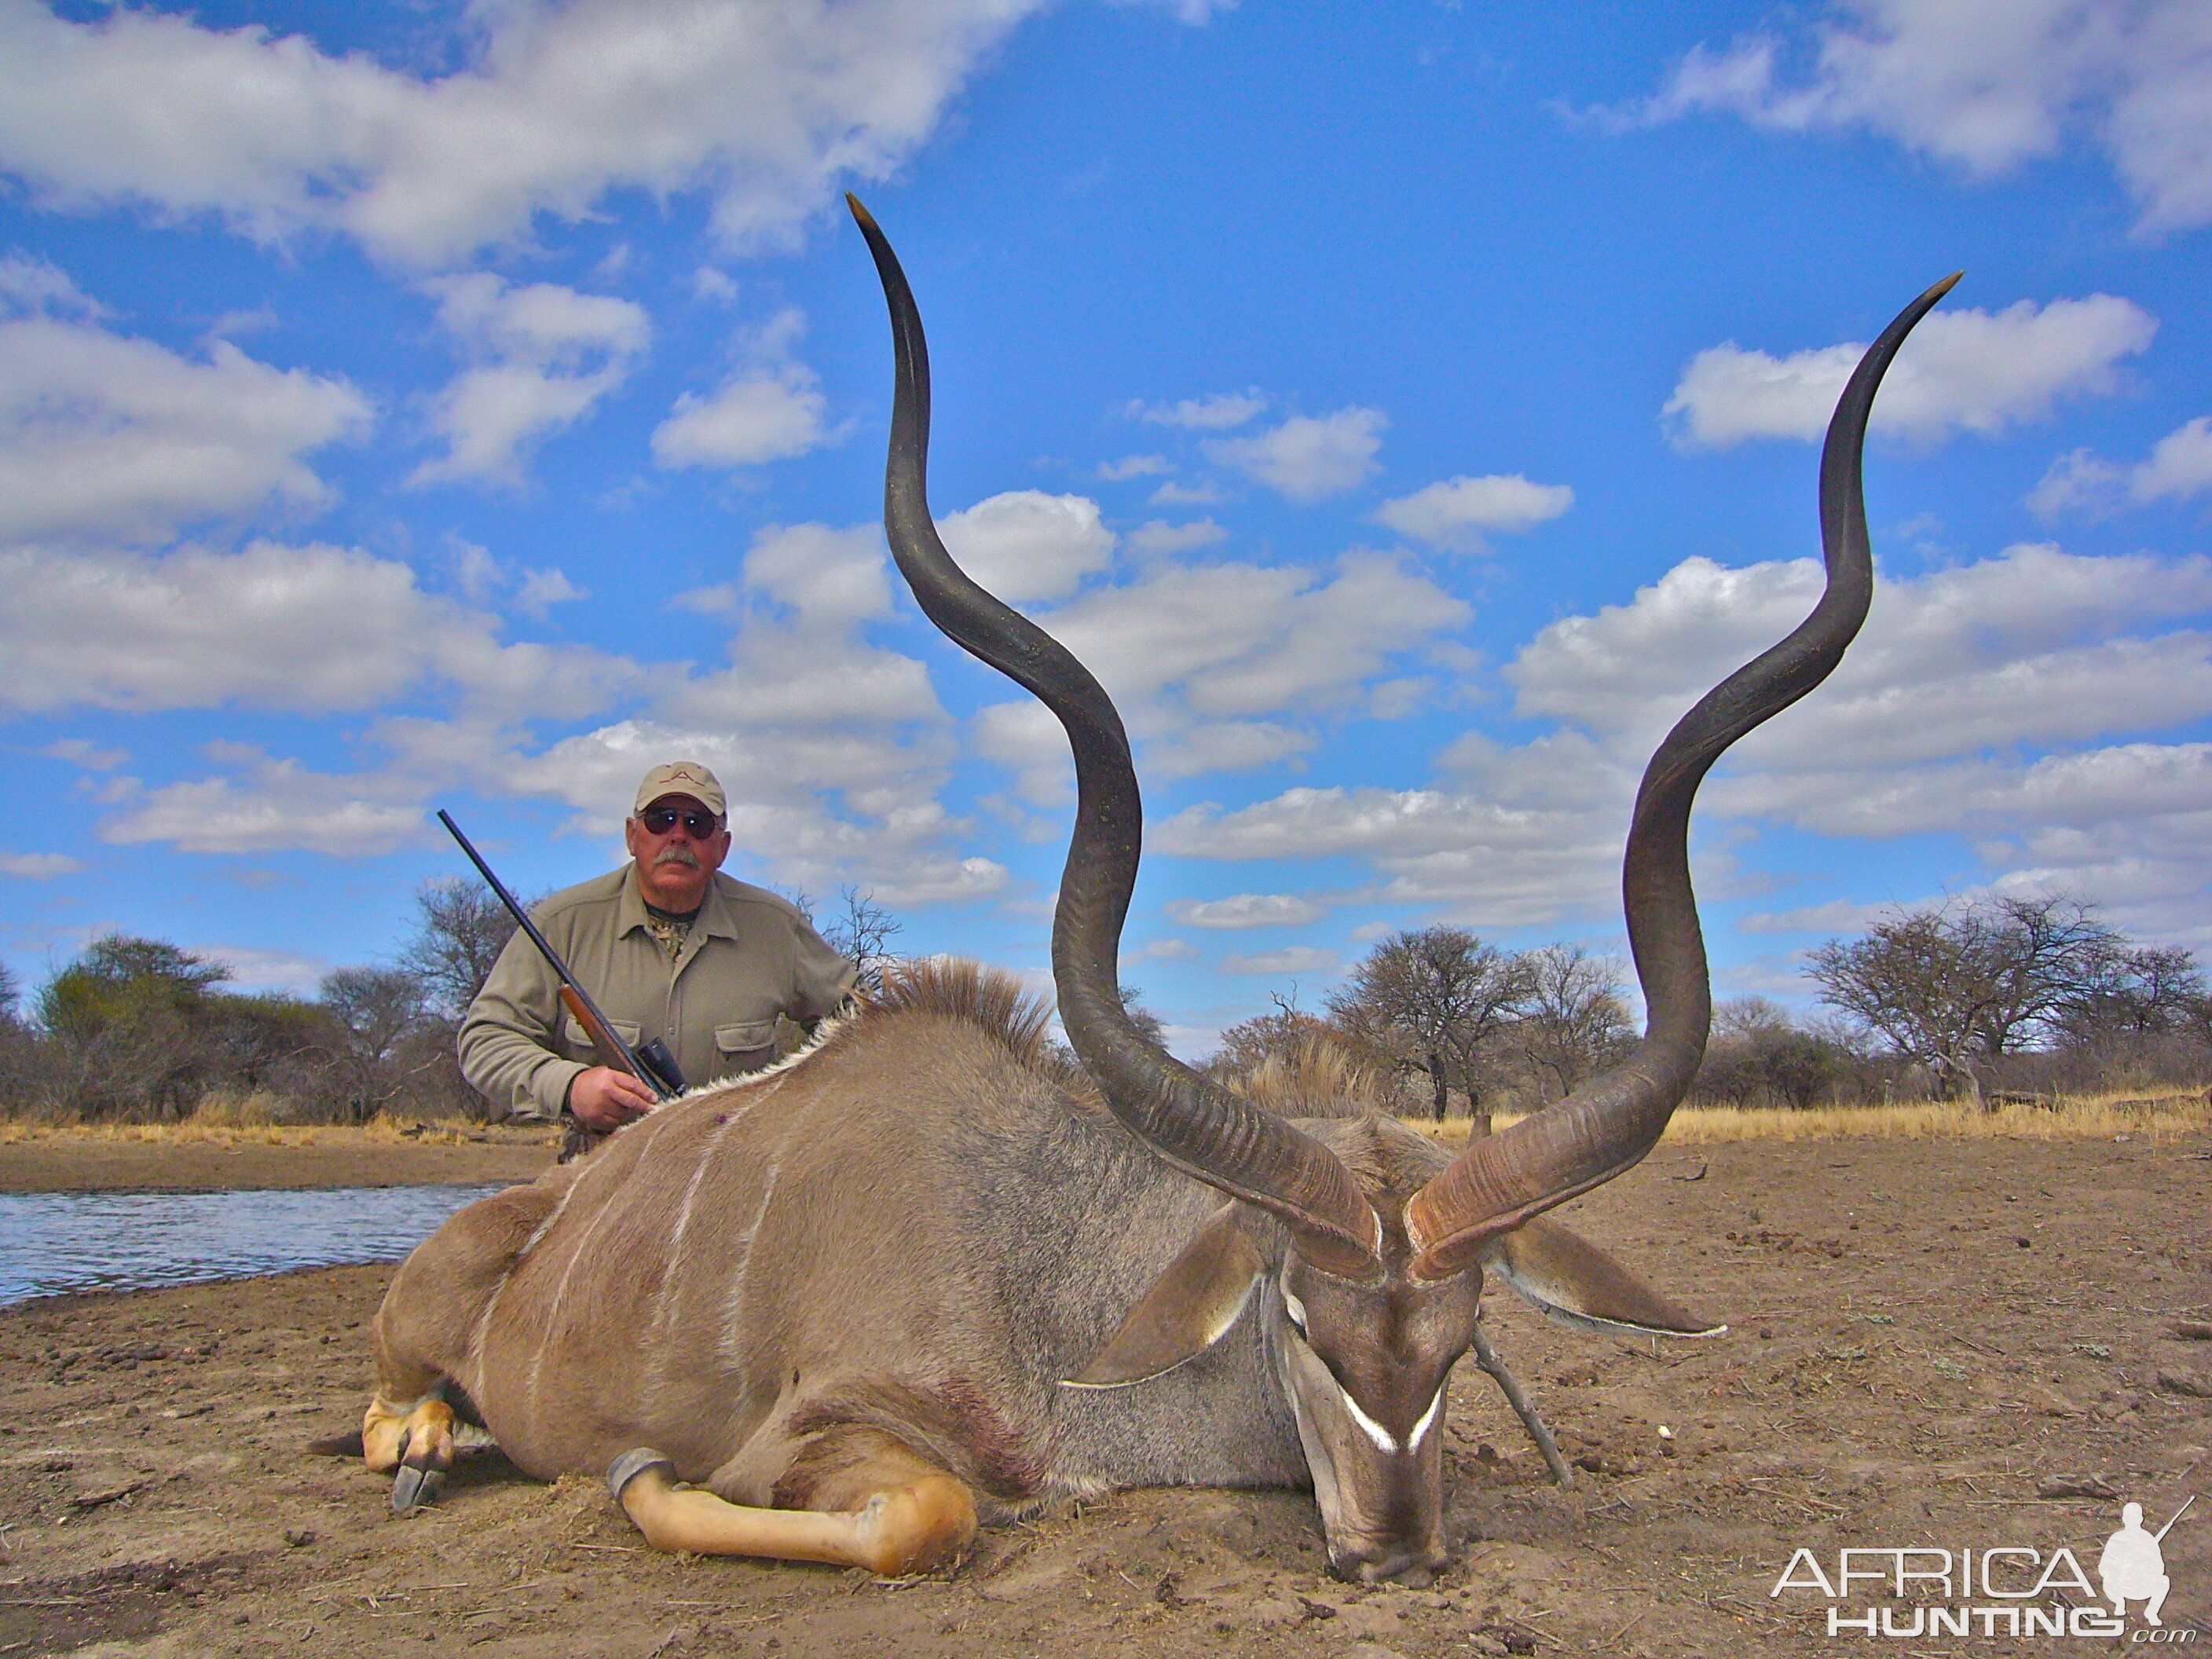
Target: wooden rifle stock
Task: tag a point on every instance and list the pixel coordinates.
(649, 1062)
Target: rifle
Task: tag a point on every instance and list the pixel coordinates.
(2158, 1535)
(650, 1062)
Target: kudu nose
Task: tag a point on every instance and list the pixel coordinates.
(1408, 1564)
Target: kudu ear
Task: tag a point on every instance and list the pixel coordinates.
(1187, 1311)
(1578, 1284)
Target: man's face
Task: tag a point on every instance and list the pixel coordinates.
(678, 857)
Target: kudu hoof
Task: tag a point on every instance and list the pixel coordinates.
(414, 1488)
(631, 1464)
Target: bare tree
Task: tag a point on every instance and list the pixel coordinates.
(19, 1057)
(1574, 1022)
(462, 928)
(379, 1007)
(1148, 1023)
(1283, 1034)
(1434, 997)
(1955, 986)
(861, 934)
(1759, 1051)
(2147, 991)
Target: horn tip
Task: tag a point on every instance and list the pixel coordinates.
(867, 220)
(1946, 285)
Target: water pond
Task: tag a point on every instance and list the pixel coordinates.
(55, 1241)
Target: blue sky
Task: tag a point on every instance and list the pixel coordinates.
(1408, 409)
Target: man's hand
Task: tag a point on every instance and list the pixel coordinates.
(605, 1098)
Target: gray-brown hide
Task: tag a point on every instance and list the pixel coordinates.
(925, 1228)
(921, 1273)
(917, 1227)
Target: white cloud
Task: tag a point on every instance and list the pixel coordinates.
(1025, 544)
(1204, 661)
(104, 435)
(1835, 916)
(833, 749)
(1026, 739)
(811, 809)
(1132, 466)
(1164, 949)
(1172, 494)
(766, 106)
(1196, 13)
(39, 866)
(252, 968)
(279, 805)
(1214, 414)
(32, 284)
(2033, 646)
(710, 284)
(541, 590)
(1492, 863)
(1309, 459)
(2178, 467)
(1971, 371)
(770, 410)
(2015, 701)
(1247, 910)
(548, 354)
(306, 629)
(1988, 85)
(761, 415)
(1156, 538)
(1455, 512)
(1291, 959)
(80, 752)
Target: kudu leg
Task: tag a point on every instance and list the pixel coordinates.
(422, 1334)
(1486, 1356)
(416, 1440)
(887, 1510)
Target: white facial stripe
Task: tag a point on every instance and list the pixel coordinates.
(1428, 1417)
(1381, 1437)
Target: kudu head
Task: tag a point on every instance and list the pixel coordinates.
(1366, 1245)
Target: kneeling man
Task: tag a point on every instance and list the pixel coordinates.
(668, 947)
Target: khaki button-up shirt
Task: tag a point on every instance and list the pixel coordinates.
(750, 956)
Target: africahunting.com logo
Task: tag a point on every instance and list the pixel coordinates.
(1999, 1590)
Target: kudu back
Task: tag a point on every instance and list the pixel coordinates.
(925, 1274)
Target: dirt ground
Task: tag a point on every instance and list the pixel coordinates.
(1924, 1334)
(63, 1163)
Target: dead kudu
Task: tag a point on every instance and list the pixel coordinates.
(919, 1276)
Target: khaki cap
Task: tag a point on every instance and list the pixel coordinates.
(683, 778)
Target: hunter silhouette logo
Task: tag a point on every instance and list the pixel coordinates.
(1998, 1590)
(2132, 1565)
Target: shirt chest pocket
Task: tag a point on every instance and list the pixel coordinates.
(580, 1042)
(746, 1044)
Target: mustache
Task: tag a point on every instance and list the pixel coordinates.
(677, 855)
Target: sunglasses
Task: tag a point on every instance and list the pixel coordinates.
(698, 824)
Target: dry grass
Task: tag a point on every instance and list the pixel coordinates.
(234, 1123)
(2148, 1117)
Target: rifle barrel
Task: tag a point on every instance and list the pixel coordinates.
(2161, 1534)
(628, 1055)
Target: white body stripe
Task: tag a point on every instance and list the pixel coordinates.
(661, 1343)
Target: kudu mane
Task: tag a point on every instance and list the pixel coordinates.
(992, 1000)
